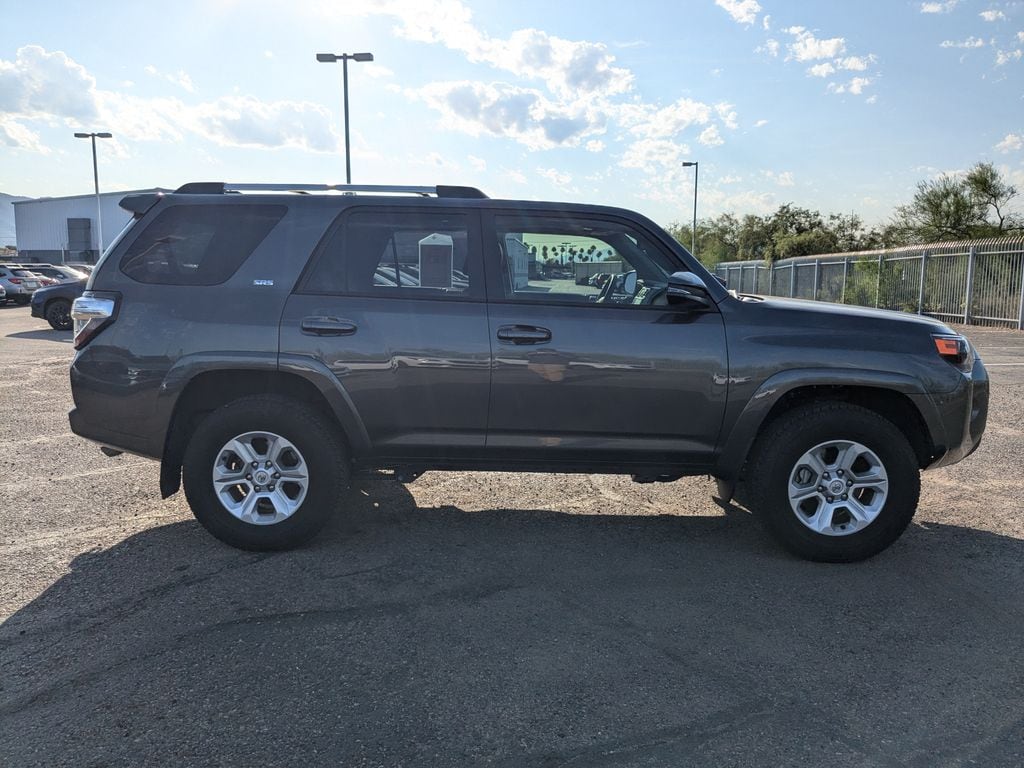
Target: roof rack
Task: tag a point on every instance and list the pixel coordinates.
(220, 188)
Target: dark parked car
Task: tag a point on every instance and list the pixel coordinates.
(53, 303)
(249, 343)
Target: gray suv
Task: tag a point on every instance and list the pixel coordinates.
(262, 342)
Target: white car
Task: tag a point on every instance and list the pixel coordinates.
(58, 272)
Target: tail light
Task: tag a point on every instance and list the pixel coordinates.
(91, 315)
(954, 349)
(15, 280)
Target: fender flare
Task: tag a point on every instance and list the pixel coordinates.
(187, 368)
(735, 445)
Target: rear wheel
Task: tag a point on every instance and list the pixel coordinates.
(834, 482)
(58, 314)
(264, 473)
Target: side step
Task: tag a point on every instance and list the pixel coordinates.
(665, 478)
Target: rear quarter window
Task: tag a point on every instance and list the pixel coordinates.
(198, 244)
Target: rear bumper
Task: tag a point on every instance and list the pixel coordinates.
(107, 437)
(962, 415)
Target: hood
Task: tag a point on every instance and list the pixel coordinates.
(819, 312)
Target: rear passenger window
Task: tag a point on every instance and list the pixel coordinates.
(410, 254)
(198, 244)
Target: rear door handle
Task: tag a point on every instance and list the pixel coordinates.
(524, 334)
(327, 326)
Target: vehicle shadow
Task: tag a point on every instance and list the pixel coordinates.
(436, 636)
(64, 337)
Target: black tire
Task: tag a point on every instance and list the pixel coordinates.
(307, 429)
(21, 300)
(58, 315)
(787, 438)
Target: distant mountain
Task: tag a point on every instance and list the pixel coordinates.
(7, 236)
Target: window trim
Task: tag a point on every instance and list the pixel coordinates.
(493, 257)
(474, 294)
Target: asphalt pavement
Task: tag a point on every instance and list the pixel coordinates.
(495, 619)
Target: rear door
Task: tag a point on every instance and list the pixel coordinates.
(591, 363)
(393, 304)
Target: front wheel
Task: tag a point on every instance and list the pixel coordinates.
(264, 473)
(834, 482)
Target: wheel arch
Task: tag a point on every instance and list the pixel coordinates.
(896, 397)
(210, 389)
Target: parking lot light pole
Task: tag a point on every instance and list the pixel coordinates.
(693, 240)
(327, 58)
(96, 182)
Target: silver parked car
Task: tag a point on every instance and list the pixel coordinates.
(19, 283)
(59, 272)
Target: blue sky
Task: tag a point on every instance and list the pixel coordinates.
(841, 106)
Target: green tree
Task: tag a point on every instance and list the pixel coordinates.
(959, 207)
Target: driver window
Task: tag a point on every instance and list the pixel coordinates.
(580, 261)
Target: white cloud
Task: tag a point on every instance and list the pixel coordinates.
(855, 86)
(523, 114)
(663, 122)
(992, 15)
(556, 177)
(514, 175)
(245, 121)
(1013, 142)
(939, 7)
(14, 134)
(42, 83)
(179, 78)
(742, 11)
(727, 115)
(594, 145)
(821, 70)
(807, 47)
(760, 123)
(710, 137)
(766, 23)
(654, 155)
(771, 47)
(970, 42)
(375, 70)
(1005, 57)
(478, 163)
(1020, 37)
(784, 179)
(855, 63)
(569, 68)
(47, 86)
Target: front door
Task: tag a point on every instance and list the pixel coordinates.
(394, 306)
(591, 363)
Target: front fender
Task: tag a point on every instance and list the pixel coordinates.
(737, 440)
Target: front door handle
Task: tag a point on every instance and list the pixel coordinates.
(327, 326)
(524, 334)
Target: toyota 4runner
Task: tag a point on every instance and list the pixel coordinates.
(263, 341)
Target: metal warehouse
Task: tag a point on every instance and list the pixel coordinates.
(58, 229)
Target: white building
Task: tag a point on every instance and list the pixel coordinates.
(57, 229)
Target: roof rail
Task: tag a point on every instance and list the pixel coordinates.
(220, 188)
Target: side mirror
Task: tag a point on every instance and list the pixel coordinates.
(629, 283)
(686, 289)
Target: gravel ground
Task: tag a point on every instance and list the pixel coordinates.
(511, 620)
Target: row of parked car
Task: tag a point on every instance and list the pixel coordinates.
(49, 287)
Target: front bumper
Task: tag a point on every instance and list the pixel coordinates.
(962, 415)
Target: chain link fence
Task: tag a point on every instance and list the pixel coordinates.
(978, 282)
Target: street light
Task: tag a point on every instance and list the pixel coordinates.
(328, 58)
(96, 181)
(693, 241)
